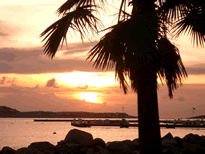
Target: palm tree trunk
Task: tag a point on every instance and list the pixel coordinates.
(148, 114)
(146, 81)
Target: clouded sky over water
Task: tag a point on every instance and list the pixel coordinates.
(30, 81)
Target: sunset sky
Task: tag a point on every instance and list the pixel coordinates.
(30, 81)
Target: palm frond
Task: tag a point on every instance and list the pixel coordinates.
(124, 44)
(81, 20)
(171, 68)
(172, 10)
(66, 7)
(120, 75)
(193, 24)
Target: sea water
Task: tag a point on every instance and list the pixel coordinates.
(21, 132)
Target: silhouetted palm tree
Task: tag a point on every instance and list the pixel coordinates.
(138, 47)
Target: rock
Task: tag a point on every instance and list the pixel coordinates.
(136, 141)
(114, 146)
(103, 151)
(47, 152)
(128, 142)
(177, 150)
(64, 149)
(132, 145)
(119, 147)
(179, 141)
(201, 143)
(125, 149)
(62, 142)
(40, 145)
(79, 137)
(90, 151)
(203, 137)
(7, 150)
(135, 152)
(83, 149)
(192, 138)
(27, 151)
(100, 142)
(167, 142)
(193, 148)
(168, 136)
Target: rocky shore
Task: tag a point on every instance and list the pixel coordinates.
(80, 142)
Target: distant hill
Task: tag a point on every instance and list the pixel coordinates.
(6, 111)
(9, 112)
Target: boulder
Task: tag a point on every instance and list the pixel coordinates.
(90, 151)
(176, 150)
(103, 151)
(27, 151)
(60, 149)
(193, 148)
(114, 146)
(40, 145)
(179, 141)
(136, 141)
(7, 150)
(167, 142)
(201, 143)
(47, 152)
(203, 137)
(100, 142)
(79, 137)
(119, 147)
(132, 145)
(192, 138)
(168, 136)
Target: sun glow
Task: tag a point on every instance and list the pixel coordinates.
(88, 78)
(89, 97)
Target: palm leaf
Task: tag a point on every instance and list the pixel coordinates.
(193, 24)
(172, 10)
(171, 68)
(62, 10)
(81, 20)
(124, 45)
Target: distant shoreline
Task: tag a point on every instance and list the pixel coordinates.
(6, 112)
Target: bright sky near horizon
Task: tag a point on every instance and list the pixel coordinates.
(31, 81)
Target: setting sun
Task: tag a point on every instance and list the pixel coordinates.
(89, 97)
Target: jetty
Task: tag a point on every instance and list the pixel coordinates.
(128, 123)
(123, 123)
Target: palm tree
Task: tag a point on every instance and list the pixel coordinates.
(138, 47)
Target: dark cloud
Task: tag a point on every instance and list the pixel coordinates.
(7, 56)
(198, 69)
(33, 61)
(52, 83)
(11, 81)
(2, 81)
(79, 47)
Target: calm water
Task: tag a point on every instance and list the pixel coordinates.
(20, 132)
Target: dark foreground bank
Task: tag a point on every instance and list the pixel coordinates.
(80, 142)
